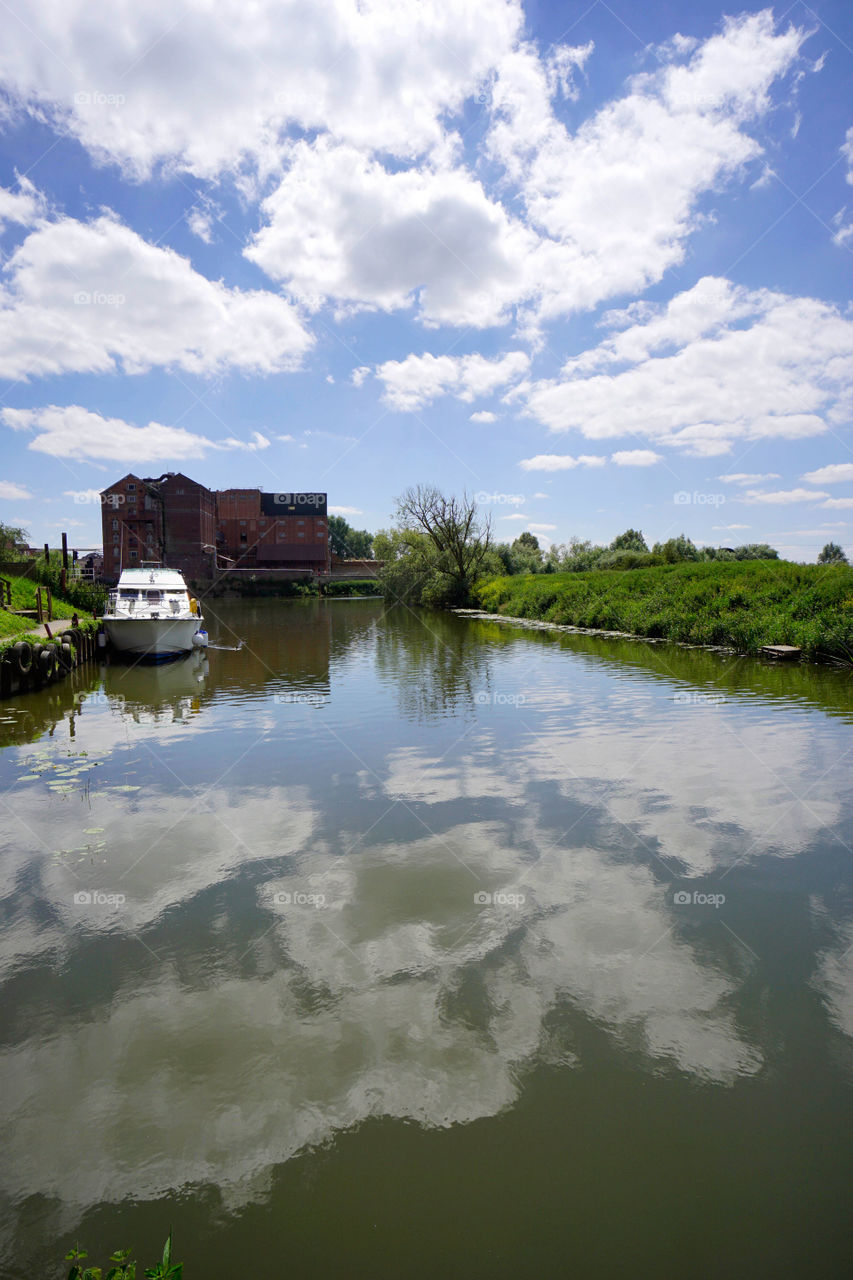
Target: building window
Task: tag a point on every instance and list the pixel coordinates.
(115, 524)
(131, 498)
(131, 488)
(300, 534)
(133, 555)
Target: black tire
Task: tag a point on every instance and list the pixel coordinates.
(47, 663)
(65, 654)
(23, 652)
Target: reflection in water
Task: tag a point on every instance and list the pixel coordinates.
(373, 865)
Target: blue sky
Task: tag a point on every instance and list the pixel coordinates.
(591, 263)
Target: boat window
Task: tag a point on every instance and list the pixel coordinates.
(154, 597)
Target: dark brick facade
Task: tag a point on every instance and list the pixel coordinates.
(173, 518)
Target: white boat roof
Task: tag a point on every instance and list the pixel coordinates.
(163, 578)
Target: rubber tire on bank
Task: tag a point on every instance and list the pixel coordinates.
(47, 663)
(23, 652)
(65, 655)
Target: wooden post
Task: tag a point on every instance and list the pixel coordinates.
(39, 606)
(46, 554)
(50, 603)
(65, 550)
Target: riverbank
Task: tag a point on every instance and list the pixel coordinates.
(741, 606)
(23, 592)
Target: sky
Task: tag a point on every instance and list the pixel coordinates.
(589, 263)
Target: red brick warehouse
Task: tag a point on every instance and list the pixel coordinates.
(179, 522)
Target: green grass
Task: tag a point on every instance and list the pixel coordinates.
(743, 605)
(24, 597)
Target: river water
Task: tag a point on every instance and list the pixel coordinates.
(396, 944)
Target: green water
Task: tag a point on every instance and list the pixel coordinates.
(385, 966)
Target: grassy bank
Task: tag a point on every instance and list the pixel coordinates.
(743, 605)
(24, 597)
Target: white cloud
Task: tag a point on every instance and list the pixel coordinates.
(559, 462)
(832, 474)
(200, 223)
(424, 237)
(837, 504)
(10, 492)
(416, 381)
(256, 442)
(543, 495)
(483, 415)
(542, 528)
(847, 152)
(618, 199)
(429, 238)
(24, 206)
(782, 497)
(746, 477)
(358, 375)
(74, 432)
(635, 458)
(95, 297)
(686, 376)
(346, 511)
(205, 86)
(729, 528)
(844, 231)
(516, 515)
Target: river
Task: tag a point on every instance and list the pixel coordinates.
(393, 944)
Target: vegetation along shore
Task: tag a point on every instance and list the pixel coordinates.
(742, 605)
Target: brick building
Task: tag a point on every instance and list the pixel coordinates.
(175, 520)
(273, 530)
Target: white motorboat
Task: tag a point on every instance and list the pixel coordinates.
(151, 614)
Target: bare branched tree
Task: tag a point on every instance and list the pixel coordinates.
(460, 539)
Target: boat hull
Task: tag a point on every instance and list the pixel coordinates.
(156, 638)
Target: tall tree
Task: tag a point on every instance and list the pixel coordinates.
(10, 538)
(459, 542)
(348, 543)
(630, 540)
(832, 554)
